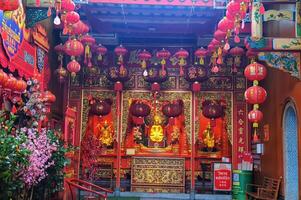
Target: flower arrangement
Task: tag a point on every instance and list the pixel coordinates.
(32, 158)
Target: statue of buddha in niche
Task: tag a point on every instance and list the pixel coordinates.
(156, 130)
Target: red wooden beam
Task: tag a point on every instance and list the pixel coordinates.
(201, 3)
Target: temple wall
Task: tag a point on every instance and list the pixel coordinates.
(280, 87)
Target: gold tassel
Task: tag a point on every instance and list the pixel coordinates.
(201, 61)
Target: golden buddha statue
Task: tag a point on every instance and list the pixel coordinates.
(209, 140)
(106, 133)
(156, 131)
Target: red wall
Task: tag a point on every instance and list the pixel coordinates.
(280, 87)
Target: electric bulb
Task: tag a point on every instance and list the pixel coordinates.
(57, 20)
(145, 73)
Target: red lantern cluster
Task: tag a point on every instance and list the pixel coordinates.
(255, 95)
(9, 5)
(10, 86)
(144, 56)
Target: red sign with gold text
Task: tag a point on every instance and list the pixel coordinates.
(222, 177)
(241, 131)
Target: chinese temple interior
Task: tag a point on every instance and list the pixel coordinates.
(150, 99)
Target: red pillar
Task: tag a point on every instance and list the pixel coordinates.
(118, 89)
(196, 87)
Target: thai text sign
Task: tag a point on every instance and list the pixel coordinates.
(222, 176)
(12, 24)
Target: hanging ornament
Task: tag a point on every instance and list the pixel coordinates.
(201, 54)
(163, 55)
(48, 99)
(101, 51)
(226, 25)
(255, 95)
(73, 67)
(251, 55)
(261, 9)
(70, 18)
(255, 116)
(220, 35)
(61, 74)
(182, 54)
(88, 41)
(120, 51)
(255, 72)
(144, 56)
(236, 52)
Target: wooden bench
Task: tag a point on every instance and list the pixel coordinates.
(268, 190)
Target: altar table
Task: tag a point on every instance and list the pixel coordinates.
(158, 174)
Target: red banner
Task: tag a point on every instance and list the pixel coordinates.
(240, 138)
(222, 177)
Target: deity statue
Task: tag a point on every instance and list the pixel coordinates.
(209, 140)
(156, 130)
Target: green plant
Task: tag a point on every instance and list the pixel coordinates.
(13, 157)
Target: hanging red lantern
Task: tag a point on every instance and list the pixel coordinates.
(227, 26)
(77, 28)
(182, 54)
(88, 41)
(67, 6)
(163, 55)
(101, 51)
(139, 110)
(255, 95)
(48, 99)
(70, 18)
(255, 72)
(9, 5)
(237, 52)
(120, 51)
(212, 109)
(73, 67)
(20, 85)
(3, 77)
(251, 55)
(144, 56)
(220, 35)
(255, 116)
(11, 82)
(201, 53)
(73, 48)
(172, 110)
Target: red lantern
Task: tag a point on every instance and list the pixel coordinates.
(144, 56)
(251, 55)
(48, 99)
(88, 41)
(20, 85)
(237, 52)
(73, 67)
(3, 77)
(255, 95)
(212, 110)
(67, 5)
(73, 48)
(255, 116)
(226, 25)
(78, 28)
(255, 72)
(120, 51)
(11, 82)
(72, 17)
(219, 35)
(9, 5)
(139, 110)
(201, 54)
(173, 109)
(182, 54)
(101, 50)
(163, 55)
